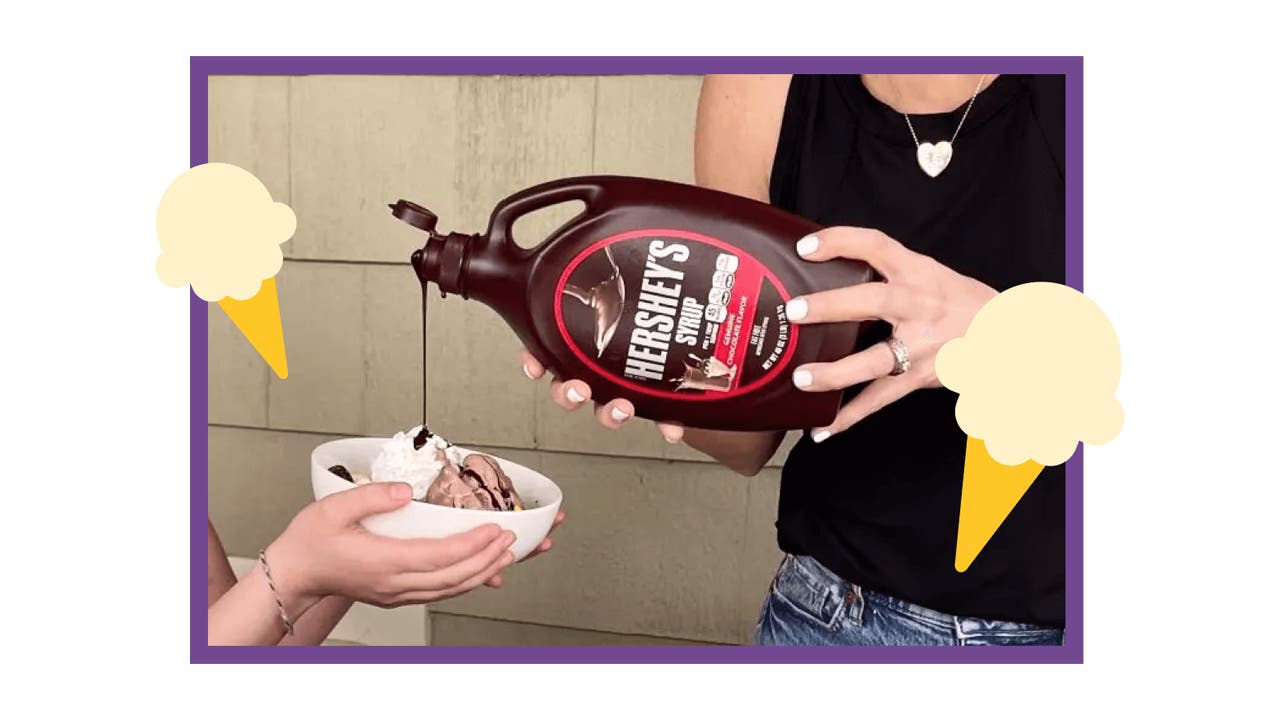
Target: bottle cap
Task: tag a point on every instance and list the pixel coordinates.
(415, 215)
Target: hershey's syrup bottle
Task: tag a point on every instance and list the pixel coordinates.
(669, 295)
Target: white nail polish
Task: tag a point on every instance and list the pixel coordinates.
(821, 435)
(807, 245)
(797, 308)
(802, 378)
(618, 415)
(574, 395)
(527, 374)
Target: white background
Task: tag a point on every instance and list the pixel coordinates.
(1180, 121)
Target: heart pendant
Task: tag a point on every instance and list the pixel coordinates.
(933, 158)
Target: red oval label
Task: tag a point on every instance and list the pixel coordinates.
(675, 314)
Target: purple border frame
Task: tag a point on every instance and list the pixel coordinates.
(202, 67)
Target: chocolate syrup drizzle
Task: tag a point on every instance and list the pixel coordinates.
(497, 471)
(480, 481)
(424, 355)
(422, 437)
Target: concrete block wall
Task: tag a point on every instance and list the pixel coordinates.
(661, 545)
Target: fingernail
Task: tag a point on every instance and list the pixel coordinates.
(802, 378)
(670, 440)
(401, 491)
(527, 374)
(511, 537)
(508, 559)
(807, 245)
(797, 309)
(574, 395)
(821, 435)
(618, 415)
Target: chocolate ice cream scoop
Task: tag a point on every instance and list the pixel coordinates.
(489, 473)
(479, 484)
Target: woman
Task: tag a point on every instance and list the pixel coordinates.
(307, 579)
(869, 504)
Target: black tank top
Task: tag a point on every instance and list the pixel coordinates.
(879, 504)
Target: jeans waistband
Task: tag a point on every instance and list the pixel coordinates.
(819, 573)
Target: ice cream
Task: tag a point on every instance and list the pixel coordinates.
(439, 472)
(479, 484)
(1037, 372)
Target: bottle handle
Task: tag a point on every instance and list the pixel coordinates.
(588, 190)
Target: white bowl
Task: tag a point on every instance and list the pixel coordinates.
(422, 520)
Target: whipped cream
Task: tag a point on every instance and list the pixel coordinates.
(399, 462)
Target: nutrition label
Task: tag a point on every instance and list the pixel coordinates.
(721, 284)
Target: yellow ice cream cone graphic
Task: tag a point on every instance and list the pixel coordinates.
(220, 232)
(990, 492)
(1036, 372)
(259, 320)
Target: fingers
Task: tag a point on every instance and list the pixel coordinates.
(483, 577)
(530, 365)
(428, 554)
(570, 394)
(543, 546)
(547, 542)
(614, 413)
(671, 432)
(351, 506)
(872, 398)
(873, 247)
(493, 556)
(874, 362)
(868, 301)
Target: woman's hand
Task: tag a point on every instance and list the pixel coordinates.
(926, 302)
(573, 394)
(325, 551)
(545, 545)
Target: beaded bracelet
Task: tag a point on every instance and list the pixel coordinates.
(266, 569)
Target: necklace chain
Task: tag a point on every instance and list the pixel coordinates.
(963, 117)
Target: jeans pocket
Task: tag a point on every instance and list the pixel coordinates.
(799, 594)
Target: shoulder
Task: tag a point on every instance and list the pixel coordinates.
(739, 118)
(1048, 95)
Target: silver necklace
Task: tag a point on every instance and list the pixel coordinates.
(935, 157)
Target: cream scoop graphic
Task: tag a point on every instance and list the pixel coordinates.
(220, 232)
(1037, 373)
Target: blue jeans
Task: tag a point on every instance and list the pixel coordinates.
(809, 605)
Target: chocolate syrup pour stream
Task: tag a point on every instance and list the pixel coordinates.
(424, 355)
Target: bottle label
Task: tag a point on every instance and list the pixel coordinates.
(675, 314)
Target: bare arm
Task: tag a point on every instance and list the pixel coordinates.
(739, 117)
(314, 627)
(247, 615)
(311, 629)
(325, 552)
(221, 577)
